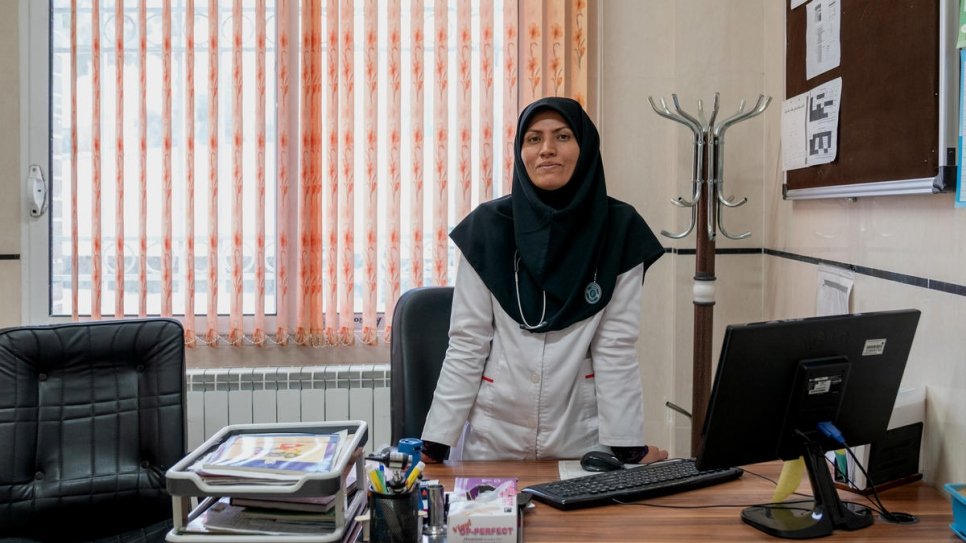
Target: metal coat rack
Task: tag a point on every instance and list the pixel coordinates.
(707, 201)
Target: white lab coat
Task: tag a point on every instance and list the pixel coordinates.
(529, 396)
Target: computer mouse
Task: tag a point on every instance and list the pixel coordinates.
(600, 461)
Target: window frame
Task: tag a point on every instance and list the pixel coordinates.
(35, 57)
(35, 64)
(34, 20)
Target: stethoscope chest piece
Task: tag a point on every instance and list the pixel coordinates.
(592, 295)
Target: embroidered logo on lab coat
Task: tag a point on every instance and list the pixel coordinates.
(592, 293)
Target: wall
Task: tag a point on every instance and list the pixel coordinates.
(694, 48)
(902, 238)
(691, 48)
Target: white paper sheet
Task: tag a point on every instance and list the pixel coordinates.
(794, 144)
(822, 122)
(834, 290)
(810, 126)
(795, 3)
(823, 49)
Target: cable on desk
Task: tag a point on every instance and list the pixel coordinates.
(713, 506)
(782, 505)
(877, 506)
(895, 517)
(832, 432)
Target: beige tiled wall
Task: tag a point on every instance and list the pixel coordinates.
(690, 48)
(10, 171)
(693, 48)
(920, 236)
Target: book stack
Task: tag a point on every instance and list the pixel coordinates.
(270, 458)
(279, 460)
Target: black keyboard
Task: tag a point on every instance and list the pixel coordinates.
(637, 483)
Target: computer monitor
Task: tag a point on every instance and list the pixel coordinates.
(777, 381)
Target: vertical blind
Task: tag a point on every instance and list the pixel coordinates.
(276, 169)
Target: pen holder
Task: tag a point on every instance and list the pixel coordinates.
(394, 518)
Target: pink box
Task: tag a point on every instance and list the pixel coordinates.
(484, 510)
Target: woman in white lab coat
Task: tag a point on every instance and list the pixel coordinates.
(541, 360)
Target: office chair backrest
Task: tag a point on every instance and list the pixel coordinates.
(91, 417)
(420, 335)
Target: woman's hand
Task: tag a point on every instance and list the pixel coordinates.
(434, 453)
(429, 459)
(654, 454)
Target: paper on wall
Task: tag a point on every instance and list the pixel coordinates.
(795, 3)
(834, 290)
(810, 126)
(823, 48)
(794, 145)
(822, 122)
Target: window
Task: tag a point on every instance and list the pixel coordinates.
(289, 170)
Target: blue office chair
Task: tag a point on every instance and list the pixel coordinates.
(420, 335)
(91, 418)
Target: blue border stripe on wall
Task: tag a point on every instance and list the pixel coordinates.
(912, 280)
(754, 251)
(905, 279)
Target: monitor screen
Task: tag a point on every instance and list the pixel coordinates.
(777, 381)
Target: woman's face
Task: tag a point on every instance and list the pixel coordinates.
(549, 151)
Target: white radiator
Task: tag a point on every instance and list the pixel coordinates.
(218, 397)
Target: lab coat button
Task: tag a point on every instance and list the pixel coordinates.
(534, 377)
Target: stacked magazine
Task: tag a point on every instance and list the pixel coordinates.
(279, 459)
(269, 458)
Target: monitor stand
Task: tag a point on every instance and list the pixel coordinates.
(811, 518)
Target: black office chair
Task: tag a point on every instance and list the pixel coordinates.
(420, 334)
(91, 418)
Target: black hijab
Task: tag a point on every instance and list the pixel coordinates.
(567, 240)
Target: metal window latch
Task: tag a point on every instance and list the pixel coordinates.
(38, 191)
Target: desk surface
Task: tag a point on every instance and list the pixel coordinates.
(714, 523)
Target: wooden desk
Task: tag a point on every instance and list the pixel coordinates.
(715, 523)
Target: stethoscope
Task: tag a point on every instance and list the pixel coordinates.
(591, 295)
(516, 281)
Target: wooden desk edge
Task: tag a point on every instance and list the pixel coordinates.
(708, 513)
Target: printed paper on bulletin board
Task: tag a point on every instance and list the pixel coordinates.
(889, 115)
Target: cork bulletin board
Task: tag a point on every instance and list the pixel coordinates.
(889, 119)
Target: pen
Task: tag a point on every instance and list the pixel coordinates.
(376, 482)
(414, 474)
(411, 468)
(381, 475)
